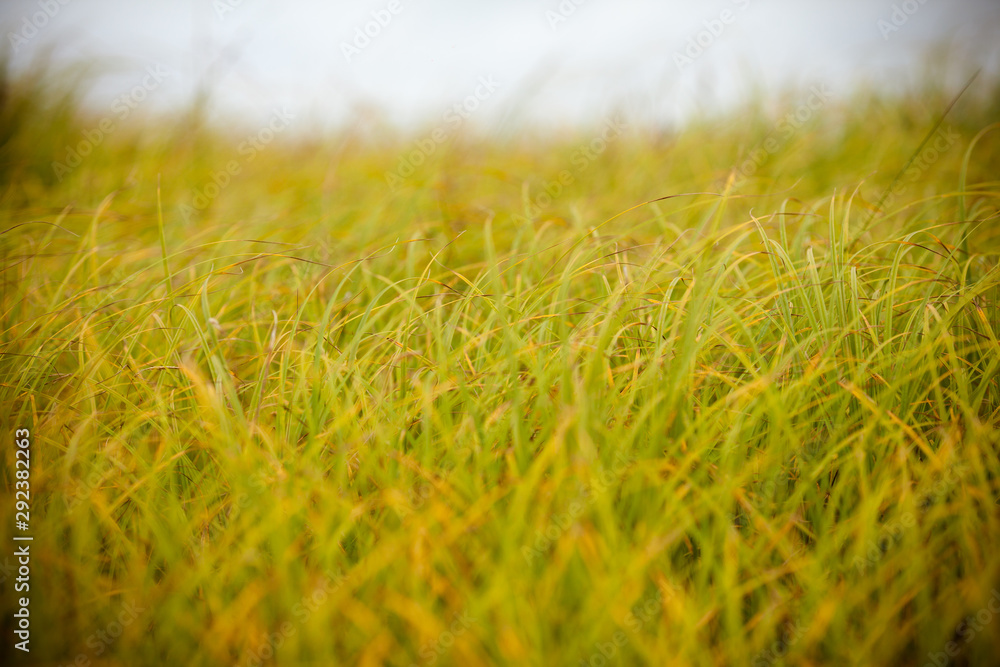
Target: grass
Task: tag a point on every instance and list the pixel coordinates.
(674, 414)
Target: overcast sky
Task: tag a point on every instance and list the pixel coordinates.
(552, 61)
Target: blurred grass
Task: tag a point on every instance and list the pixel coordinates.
(320, 421)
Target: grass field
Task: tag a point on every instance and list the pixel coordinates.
(719, 396)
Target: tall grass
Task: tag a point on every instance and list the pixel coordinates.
(681, 416)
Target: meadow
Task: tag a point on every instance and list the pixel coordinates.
(718, 395)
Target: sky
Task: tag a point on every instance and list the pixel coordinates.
(546, 62)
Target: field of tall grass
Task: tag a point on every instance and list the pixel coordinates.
(720, 395)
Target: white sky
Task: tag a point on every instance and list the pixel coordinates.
(256, 54)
